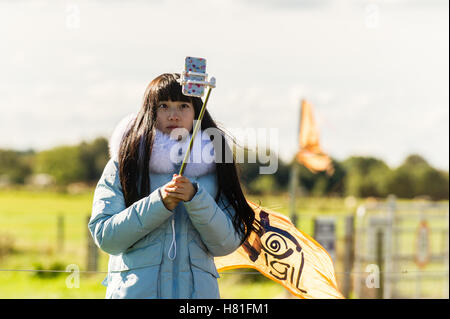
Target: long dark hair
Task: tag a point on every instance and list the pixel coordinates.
(136, 146)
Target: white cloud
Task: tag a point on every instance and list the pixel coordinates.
(380, 91)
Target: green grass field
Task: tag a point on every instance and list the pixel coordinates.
(28, 241)
(28, 236)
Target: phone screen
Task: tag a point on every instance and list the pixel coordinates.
(197, 65)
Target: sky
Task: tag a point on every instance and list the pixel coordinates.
(376, 72)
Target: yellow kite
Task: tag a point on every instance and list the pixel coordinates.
(286, 255)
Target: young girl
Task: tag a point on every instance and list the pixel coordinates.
(162, 230)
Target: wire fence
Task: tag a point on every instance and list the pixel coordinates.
(223, 273)
(386, 235)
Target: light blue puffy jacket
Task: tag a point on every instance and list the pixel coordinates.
(157, 253)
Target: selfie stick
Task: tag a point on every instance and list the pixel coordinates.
(211, 84)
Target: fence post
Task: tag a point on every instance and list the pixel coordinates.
(60, 233)
(293, 193)
(446, 285)
(422, 249)
(380, 261)
(390, 248)
(92, 251)
(360, 253)
(325, 234)
(349, 254)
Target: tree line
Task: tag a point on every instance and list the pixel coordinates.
(355, 176)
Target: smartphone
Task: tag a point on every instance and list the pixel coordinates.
(194, 76)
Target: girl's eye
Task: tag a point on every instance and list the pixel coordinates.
(184, 106)
(163, 106)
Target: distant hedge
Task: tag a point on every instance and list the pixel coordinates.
(356, 176)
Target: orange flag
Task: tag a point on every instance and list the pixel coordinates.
(310, 153)
(286, 255)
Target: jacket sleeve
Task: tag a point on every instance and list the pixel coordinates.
(214, 222)
(115, 227)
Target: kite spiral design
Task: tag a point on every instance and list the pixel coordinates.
(274, 243)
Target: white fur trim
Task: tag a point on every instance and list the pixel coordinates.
(165, 154)
(116, 138)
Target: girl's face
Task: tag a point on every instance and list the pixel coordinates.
(174, 114)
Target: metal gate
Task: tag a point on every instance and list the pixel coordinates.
(401, 250)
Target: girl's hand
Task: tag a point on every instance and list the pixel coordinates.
(180, 188)
(169, 201)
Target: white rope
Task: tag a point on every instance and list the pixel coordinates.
(174, 242)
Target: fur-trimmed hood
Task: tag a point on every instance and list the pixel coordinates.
(167, 154)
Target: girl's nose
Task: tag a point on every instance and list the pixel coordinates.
(174, 115)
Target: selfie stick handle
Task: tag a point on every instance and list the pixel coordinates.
(196, 128)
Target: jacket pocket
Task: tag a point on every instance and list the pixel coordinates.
(201, 259)
(204, 273)
(137, 258)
